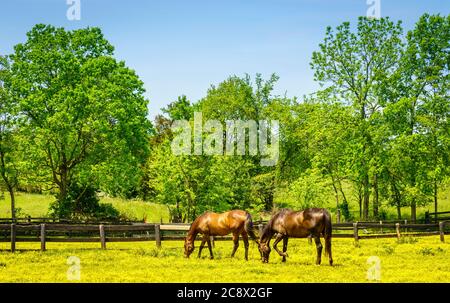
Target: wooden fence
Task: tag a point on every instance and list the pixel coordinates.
(437, 216)
(103, 233)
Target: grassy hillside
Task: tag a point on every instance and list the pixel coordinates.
(36, 205)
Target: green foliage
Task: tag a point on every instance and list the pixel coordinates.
(307, 191)
(84, 114)
(81, 203)
(375, 135)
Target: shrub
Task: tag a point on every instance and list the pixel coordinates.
(82, 203)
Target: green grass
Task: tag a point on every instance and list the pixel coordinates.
(36, 205)
(424, 260)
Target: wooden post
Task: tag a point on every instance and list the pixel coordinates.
(397, 229)
(355, 231)
(406, 228)
(427, 217)
(381, 227)
(43, 236)
(158, 235)
(13, 237)
(102, 236)
(338, 216)
(441, 231)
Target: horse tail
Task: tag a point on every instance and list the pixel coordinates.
(250, 229)
(327, 233)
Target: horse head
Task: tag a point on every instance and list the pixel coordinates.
(188, 247)
(264, 250)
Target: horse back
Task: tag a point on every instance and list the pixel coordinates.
(222, 224)
(301, 224)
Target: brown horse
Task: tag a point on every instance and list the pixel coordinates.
(311, 222)
(238, 222)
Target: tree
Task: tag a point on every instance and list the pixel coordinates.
(84, 112)
(355, 65)
(8, 144)
(417, 114)
(426, 72)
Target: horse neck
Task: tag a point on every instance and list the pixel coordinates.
(192, 233)
(267, 233)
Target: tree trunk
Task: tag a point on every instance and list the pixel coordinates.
(64, 183)
(375, 200)
(336, 195)
(9, 185)
(435, 193)
(366, 197)
(13, 203)
(413, 210)
(360, 203)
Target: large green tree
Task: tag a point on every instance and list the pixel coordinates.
(8, 138)
(355, 65)
(85, 116)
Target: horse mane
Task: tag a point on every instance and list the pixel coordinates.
(268, 228)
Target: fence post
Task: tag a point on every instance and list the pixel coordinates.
(406, 228)
(158, 235)
(355, 231)
(102, 236)
(381, 227)
(427, 217)
(338, 216)
(13, 237)
(43, 237)
(441, 230)
(397, 229)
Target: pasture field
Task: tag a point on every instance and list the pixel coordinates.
(413, 260)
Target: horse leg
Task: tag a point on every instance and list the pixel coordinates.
(319, 249)
(285, 243)
(208, 240)
(278, 238)
(246, 244)
(201, 246)
(236, 244)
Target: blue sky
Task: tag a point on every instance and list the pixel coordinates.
(182, 47)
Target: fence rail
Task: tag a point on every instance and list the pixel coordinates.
(104, 233)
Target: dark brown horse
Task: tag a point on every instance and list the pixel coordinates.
(311, 222)
(237, 222)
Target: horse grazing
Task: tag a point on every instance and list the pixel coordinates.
(311, 222)
(238, 222)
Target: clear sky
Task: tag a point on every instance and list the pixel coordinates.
(183, 46)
